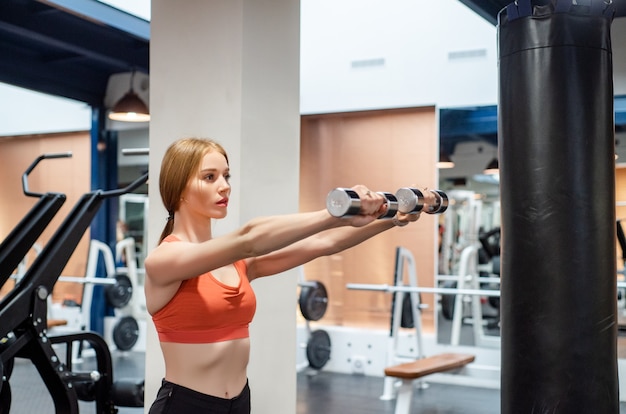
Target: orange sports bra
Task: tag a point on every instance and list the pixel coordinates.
(204, 310)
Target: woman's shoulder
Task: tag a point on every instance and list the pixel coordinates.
(171, 238)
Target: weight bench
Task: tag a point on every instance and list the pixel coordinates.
(410, 371)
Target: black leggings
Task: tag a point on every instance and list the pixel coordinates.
(175, 399)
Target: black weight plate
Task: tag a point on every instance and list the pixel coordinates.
(406, 320)
(5, 398)
(126, 333)
(313, 301)
(119, 294)
(318, 349)
(448, 302)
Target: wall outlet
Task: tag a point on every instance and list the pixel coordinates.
(358, 364)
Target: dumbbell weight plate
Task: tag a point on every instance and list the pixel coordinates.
(410, 200)
(343, 202)
(442, 202)
(318, 349)
(313, 300)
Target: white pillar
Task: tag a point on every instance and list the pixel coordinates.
(229, 70)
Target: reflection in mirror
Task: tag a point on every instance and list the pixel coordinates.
(129, 331)
(469, 230)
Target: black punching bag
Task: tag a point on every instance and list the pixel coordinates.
(557, 182)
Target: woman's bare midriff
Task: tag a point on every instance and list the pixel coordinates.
(217, 369)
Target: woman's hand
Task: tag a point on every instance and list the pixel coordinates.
(402, 219)
(373, 205)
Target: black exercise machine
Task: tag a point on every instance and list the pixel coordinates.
(23, 313)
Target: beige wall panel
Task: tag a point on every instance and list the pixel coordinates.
(70, 176)
(384, 150)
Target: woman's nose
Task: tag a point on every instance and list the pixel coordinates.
(224, 185)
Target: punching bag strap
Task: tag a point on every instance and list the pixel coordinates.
(517, 9)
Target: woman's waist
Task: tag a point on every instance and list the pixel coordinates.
(218, 368)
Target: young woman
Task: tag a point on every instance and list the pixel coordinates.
(198, 286)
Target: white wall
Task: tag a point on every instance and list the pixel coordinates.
(26, 112)
(370, 54)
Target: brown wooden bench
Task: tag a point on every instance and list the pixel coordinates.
(410, 371)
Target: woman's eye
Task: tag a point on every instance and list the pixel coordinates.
(227, 177)
(209, 177)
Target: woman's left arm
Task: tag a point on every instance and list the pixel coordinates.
(321, 244)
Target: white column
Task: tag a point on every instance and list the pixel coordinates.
(229, 70)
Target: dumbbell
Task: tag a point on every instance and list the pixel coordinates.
(344, 202)
(411, 200)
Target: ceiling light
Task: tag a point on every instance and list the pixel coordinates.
(131, 108)
(444, 161)
(493, 167)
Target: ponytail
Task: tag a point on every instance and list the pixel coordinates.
(169, 226)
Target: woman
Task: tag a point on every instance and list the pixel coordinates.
(198, 287)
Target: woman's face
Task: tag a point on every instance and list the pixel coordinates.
(208, 190)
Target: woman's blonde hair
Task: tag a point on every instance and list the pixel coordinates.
(181, 160)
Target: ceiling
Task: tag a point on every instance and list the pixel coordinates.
(69, 48)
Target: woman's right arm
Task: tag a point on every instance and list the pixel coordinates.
(172, 262)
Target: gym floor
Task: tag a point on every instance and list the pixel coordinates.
(321, 392)
(317, 392)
